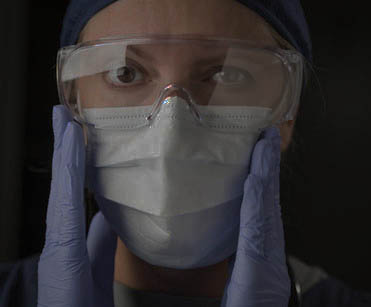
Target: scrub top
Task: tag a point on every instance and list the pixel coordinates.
(18, 288)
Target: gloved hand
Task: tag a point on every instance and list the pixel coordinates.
(71, 270)
(258, 274)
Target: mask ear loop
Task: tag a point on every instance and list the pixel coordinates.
(164, 99)
(82, 123)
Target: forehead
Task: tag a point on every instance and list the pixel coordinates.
(224, 18)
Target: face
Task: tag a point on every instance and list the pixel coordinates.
(223, 18)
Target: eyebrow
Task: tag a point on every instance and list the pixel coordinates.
(205, 60)
(140, 53)
(209, 60)
(201, 61)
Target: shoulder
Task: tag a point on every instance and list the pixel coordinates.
(317, 288)
(18, 282)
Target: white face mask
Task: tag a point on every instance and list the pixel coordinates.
(172, 191)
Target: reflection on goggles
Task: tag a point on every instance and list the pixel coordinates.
(133, 73)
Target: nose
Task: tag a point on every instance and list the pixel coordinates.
(174, 90)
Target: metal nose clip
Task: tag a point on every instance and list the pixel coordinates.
(173, 90)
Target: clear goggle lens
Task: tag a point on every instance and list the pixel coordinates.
(139, 72)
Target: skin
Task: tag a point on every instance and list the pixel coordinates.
(225, 18)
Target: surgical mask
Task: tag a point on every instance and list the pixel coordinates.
(172, 190)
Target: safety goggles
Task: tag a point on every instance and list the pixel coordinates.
(143, 72)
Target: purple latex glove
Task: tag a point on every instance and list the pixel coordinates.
(71, 270)
(258, 273)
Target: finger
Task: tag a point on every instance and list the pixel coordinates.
(266, 150)
(277, 242)
(71, 192)
(61, 117)
(253, 216)
(257, 221)
(273, 135)
(278, 235)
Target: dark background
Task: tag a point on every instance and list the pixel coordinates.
(326, 176)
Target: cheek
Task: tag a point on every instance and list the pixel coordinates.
(86, 93)
(92, 92)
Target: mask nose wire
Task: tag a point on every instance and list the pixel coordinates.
(173, 90)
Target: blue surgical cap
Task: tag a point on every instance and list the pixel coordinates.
(285, 16)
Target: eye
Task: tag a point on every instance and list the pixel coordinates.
(124, 76)
(232, 76)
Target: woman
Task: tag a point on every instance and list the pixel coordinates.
(172, 97)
